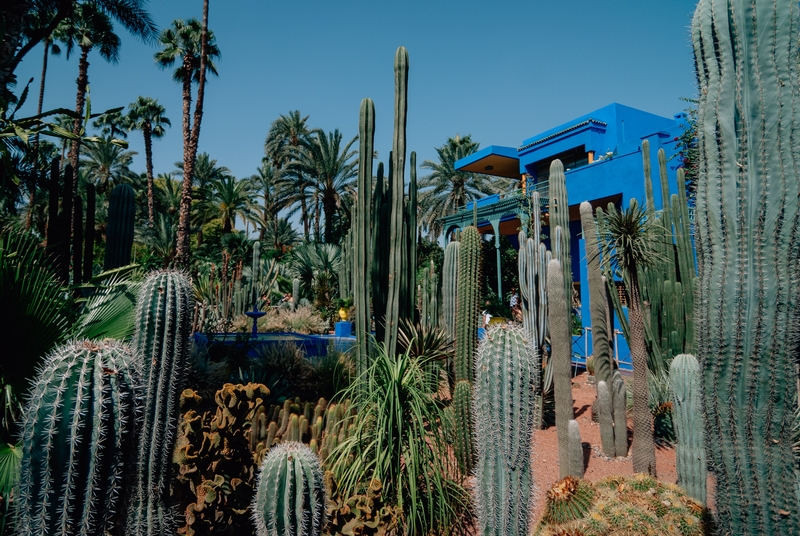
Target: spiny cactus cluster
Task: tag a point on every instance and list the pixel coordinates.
(428, 293)
(636, 504)
(78, 440)
(504, 408)
(290, 494)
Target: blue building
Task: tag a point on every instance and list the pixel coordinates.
(602, 157)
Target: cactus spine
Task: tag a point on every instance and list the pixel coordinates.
(747, 311)
(362, 241)
(290, 493)
(77, 438)
(560, 360)
(450, 288)
(687, 414)
(504, 409)
(467, 310)
(119, 231)
(162, 338)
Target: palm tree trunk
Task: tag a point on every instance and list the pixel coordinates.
(316, 219)
(190, 145)
(80, 103)
(304, 211)
(182, 249)
(148, 155)
(643, 449)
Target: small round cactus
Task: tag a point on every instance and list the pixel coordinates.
(290, 493)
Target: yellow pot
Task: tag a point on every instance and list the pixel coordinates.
(343, 314)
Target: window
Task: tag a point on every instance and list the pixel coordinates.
(572, 159)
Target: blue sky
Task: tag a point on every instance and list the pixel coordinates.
(500, 71)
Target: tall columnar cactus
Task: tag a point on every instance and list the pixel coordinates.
(504, 408)
(747, 312)
(362, 240)
(162, 338)
(687, 415)
(119, 230)
(468, 308)
(462, 399)
(560, 360)
(429, 297)
(559, 217)
(619, 398)
(397, 240)
(88, 235)
(77, 241)
(295, 293)
(575, 449)
(254, 272)
(77, 440)
(449, 288)
(290, 494)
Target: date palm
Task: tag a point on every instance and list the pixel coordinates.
(112, 125)
(105, 162)
(147, 115)
(265, 182)
(446, 190)
(191, 44)
(167, 194)
(287, 134)
(627, 241)
(332, 167)
(228, 198)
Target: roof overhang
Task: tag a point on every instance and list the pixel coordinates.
(493, 160)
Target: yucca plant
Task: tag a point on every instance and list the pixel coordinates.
(398, 439)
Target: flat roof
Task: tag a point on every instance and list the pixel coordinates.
(492, 160)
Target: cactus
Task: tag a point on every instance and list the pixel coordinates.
(362, 239)
(504, 408)
(395, 308)
(747, 222)
(119, 230)
(462, 397)
(467, 310)
(162, 339)
(290, 494)
(605, 418)
(295, 293)
(88, 235)
(619, 402)
(690, 456)
(449, 288)
(560, 360)
(77, 241)
(429, 297)
(568, 500)
(575, 449)
(77, 438)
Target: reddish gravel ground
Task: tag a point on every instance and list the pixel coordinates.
(545, 458)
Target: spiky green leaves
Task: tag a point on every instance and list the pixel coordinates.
(77, 440)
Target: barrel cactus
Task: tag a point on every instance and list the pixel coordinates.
(290, 493)
(504, 409)
(162, 338)
(77, 440)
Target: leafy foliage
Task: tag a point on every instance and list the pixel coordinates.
(400, 441)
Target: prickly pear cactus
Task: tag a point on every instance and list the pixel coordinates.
(290, 494)
(77, 440)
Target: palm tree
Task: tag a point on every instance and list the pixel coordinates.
(265, 181)
(206, 171)
(628, 242)
(112, 124)
(168, 194)
(229, 198)
(148, 116)
(105, 162)
(446, 189)
(332, 167)
(282, 235)
(194, 45)
(285, 134)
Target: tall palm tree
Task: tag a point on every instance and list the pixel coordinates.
(628, 242)
(446, 189)
(265, 181)
(148, 115)
(112, 125)
(282, 235)
(332, 167)
(193, 44)
(167, 194)
(206, 171)
(285, 135)
(105, 162)
(230, 198)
